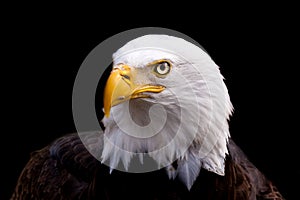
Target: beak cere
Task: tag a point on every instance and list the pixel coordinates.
(121, 87)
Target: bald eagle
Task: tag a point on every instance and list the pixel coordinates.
(165, 135)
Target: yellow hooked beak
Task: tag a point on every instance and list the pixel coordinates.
(121, 87)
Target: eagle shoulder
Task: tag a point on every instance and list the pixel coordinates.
(61, 170)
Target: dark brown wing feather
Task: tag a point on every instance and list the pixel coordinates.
(243, 180)
(66, 170)
(62, 170)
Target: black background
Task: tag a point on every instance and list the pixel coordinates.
(254, 48)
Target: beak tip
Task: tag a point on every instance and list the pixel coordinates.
(106, 113)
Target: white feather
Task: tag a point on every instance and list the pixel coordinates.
(188, 169)
(141, 158)
(171, 171)
(209, 108)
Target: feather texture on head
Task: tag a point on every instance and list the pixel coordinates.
(186, 122)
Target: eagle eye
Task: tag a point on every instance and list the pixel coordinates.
(162, 68)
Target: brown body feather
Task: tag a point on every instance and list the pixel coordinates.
(66, 170)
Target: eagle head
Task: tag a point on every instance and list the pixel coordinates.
(166, 99)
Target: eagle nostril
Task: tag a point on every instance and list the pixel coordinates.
(125, 76)
(121, 98)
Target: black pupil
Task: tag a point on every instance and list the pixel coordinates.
(162, 67)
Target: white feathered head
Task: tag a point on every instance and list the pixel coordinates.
(165, 98)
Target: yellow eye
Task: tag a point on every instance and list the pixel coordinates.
(162, 68)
